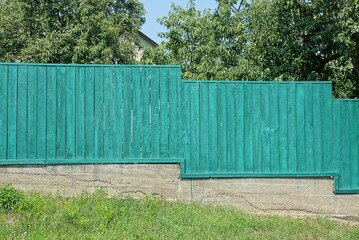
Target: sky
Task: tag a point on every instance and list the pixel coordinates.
(159, 8)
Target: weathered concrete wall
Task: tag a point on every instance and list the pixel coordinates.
(260, 195)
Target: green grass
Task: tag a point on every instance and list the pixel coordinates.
(97, 216)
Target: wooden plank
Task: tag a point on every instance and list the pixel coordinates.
(274, 126)
(146, 103)
(231, 155)
(127, 119)
(4, 70)
(60, 112)
(155, 113)
(283, 128)
(336, 143)
(345, 146)
(99, 112)
(137, 108)
(355, 164)
(108, 112)
(41, 112)
(194, 126)
(312, 114)
(316, 158)
(70, 113)
(51, 112)
(257, 131)
(212, 127)
(185, 118)
(222, 161)
(80, 111)
(12, 112)
(300, 127)
(326, 128)
(163, 112)
(292, 140)
(173, 119)
(22, 113)
(204, 128)
(118, 113)
(32, 112)
(266, 128)
(248, 123)
(240, 133)
(90, 96)
(353, 144)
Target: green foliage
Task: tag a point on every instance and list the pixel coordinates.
(69, 31)
(98, 216)
(265, 40)
(10, 198)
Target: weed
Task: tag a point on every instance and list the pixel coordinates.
(10, 197)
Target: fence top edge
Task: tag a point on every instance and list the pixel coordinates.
(88, 65)
(256, 82)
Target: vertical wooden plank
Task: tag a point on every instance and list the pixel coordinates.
(311, 113)
(274, 126)
(300, 127)
(80, 112)
(108, 113)
(292, 122)
(32, 112)
(266, 130)
(194, 125)
(41, 112)
(315, 159)
(51, 112)
(127, 121)
(248, 114)
(155, 116)
(173, 108)
(222, 129)
(257, 134)
(3, 109)
(240, 145)
(99, 112)
(12, 112)
(353, 142)
(163, 112)
(145, 103)
(203, 128)
(232, 165)
(118, 113)
(22, 113)
(90, 96)
(185, 118)
(60, 112)
(136, 147)
(70, 113)
(345, 147)
(213, 126)
(326, 129)
(336, 136)
(283, 128)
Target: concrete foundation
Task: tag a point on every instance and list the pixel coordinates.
(290, 196)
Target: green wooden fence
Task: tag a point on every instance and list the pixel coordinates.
(78, 114)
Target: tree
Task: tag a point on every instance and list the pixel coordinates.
(266, 40)
(69, 31)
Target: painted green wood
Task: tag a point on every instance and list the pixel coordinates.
(300, 127)
(274, 126)
(355, 163)
(310, 115)
(32, 113)
(326, 119)
(353, 143)
(41, 112)
(70, 113)
(80, 112)
(248, 128)
(194, 127)
(108, 112)
(51, 107)
(22, 113)
(212, 127)
(99, 112)
(316, 137)
(118, 114)
(155, 113)
(222, 161)
(137, 108)
(146, 118)
(173, 116)
(345, 145)
(203, 128)
(4, 70)
(186, 121)
(240, 143)
(257, 127)
(12, 112)
(90, 96)
(60, 112)
(265, 107)
(283, 128)
(231, 128)
(164, 112)
(336, 135)
(292, 141)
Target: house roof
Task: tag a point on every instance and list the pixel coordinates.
(149, 40)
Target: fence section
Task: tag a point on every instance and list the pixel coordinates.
(88, 114)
